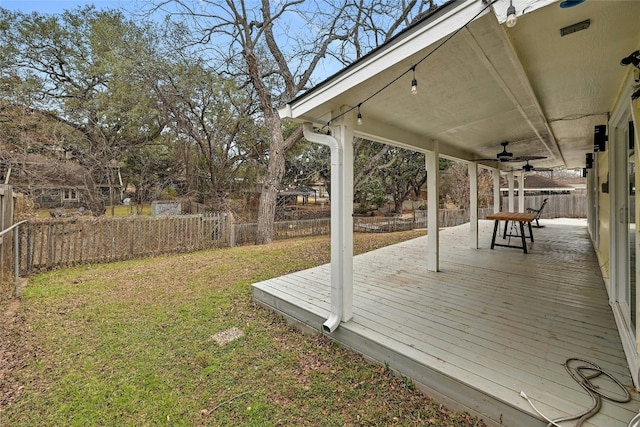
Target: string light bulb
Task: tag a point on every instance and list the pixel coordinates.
(359, 120)
(511, 15)
(414, 82)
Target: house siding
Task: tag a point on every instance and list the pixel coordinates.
(635, 116)
(604, 213)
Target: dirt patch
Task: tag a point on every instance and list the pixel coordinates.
(15, 351)
(225, 337)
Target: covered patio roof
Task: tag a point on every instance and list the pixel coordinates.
(480, 83)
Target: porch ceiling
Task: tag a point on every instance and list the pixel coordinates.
(528, 85)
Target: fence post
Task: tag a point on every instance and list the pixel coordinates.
(29, 248)
(232, 231)
(16, 259)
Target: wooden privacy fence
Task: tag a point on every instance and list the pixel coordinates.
(7, 204)
(53, 243)
(246, 233)
(447, 218)
(61, 242)
(56, 243)
(572, 205)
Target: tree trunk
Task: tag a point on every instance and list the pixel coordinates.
(271, 183)
(273, 178)
(397, 205)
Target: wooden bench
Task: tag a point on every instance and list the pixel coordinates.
(521, 218)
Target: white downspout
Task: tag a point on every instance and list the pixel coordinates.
(337, 243)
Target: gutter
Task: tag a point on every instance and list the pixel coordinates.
(337, 225)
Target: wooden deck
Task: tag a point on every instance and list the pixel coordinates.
(490, 324)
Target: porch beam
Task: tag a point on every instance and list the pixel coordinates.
(433, 195)
(388, 133)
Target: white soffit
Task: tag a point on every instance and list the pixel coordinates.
(577, 78)
(489, 83)
(472, 91)
(317, 104)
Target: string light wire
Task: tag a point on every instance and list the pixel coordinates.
(413, 67)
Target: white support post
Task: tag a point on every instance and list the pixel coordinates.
(495, 173)
(473, 205)
(521, 192)
(433, 195)
(346, 140)
(511, 190)
(341, 145)
(343, 133)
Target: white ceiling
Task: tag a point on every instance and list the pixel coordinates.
(527, 85)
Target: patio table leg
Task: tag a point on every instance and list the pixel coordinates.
(524, 239)
(495, 231)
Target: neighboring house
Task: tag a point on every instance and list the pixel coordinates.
(545, 85)
(290, 197)
(535, 184)
(55, 182)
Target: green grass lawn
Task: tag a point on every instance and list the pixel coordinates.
(131, 344)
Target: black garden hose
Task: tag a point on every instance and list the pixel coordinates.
(583, 374)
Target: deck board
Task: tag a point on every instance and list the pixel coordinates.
(490, 324)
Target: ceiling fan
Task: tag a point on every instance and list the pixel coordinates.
(505, 156)
(528, 167)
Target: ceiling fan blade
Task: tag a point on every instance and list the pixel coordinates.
(526, 158)
(537, 169)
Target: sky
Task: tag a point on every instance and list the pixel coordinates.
(51, 7)
(57, 6)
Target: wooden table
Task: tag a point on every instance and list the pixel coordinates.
(521, 218)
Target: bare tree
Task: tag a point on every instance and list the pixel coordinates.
(276, 47)
(210, 112)
(455, 186)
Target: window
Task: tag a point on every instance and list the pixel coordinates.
(70, 195)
